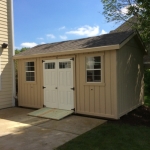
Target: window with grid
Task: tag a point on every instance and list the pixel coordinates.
(30, 71)
(93, 69)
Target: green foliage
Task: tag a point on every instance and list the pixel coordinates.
(147, 82)
(17, 51)
(114, 10)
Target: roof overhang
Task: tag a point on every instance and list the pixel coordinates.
(87, 50)
(69, 52)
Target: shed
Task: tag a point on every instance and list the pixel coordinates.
(98, 76)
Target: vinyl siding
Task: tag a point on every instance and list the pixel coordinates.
(5, 55)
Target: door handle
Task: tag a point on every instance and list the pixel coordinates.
(55, 87)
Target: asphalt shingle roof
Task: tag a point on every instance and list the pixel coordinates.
(102, 40)
(126, 26)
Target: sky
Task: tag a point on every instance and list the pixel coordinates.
(48, 21)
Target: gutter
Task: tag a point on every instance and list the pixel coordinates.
(13, 52)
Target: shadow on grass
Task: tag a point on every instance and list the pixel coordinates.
(111, 137)
(131, 132)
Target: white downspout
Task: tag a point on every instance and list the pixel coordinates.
(13, 53)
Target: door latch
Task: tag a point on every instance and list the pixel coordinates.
(44, 87)
(72, 88)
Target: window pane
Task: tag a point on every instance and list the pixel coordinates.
(29, 68)
(93, 75)
(64, 65)
(31, 78)
(29, 64)
(27, 78)
(93, 62)
(49, 65)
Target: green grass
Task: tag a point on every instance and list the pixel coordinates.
(147, 100)
(111, 137)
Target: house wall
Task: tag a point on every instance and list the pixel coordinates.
(129, 77)
(97, 99)
(6, 83)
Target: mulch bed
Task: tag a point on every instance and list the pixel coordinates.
(139, 116)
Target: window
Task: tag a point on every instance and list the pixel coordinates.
(50, 65)
(93, 69)
(30, 71)
(63, 65)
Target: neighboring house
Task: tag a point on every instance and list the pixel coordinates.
(6, 53)
(99, 76)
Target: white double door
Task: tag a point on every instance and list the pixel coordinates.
(58, 84)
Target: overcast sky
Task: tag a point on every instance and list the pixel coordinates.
(47, 21)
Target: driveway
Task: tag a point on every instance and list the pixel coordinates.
(21, 132)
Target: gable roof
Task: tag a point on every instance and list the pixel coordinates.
(98, 41)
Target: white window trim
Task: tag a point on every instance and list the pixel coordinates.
(101, 83)
(30, 71)
(94, 69)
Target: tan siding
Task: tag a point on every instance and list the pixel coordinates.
(98, 99)
(130, 77)
(92, 99)
(6, 56)
(30, 93)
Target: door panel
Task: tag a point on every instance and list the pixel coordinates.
(50, 82)
(65, 83)
(58, 73)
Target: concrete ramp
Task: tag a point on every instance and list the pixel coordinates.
(51, 113)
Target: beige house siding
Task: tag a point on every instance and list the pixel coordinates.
(129, 77)
(6, 54)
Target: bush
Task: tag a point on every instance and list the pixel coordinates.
(147, 82)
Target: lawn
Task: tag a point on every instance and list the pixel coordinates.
(147, 100)
(112, 137)
(131, 132)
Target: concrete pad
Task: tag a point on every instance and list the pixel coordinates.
(21, 132)
(14, 111)
(73, 124)
(35, 138)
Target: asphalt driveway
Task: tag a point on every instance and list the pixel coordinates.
(18, 131)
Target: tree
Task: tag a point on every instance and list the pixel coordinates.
(122, 10)
(17, 51)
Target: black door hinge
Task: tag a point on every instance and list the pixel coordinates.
(44, 87)
(73, 88)
(73, 109)
(43, 61)
(72, 58)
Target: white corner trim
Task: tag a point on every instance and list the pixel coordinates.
(0, 75)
